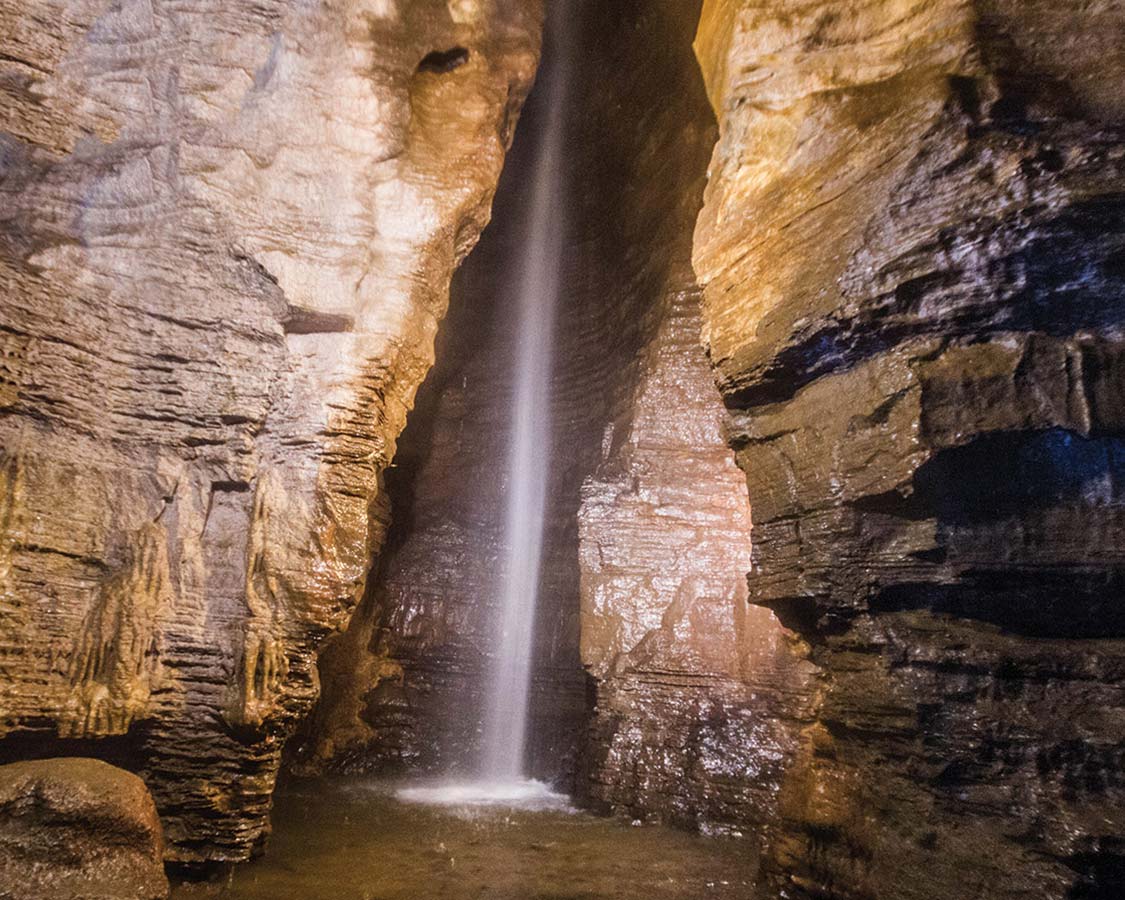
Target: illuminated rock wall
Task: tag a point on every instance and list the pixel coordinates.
(696, 692)
(911, 255)
(226, 236)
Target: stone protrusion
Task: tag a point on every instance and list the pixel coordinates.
(910, 250)
(227, 231)
(78, 828)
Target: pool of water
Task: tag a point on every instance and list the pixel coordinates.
(360, 840)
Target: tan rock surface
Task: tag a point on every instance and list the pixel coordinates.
(226, 237)
(226, 232)
(910, 251)
(695, 692)
(648, 526)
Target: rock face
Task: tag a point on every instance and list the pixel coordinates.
(911, 249)
(226, 236)
(403, 686)
(648, 533)
(695, 692)
(78, 828)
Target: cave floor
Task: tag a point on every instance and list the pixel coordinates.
(352, 840)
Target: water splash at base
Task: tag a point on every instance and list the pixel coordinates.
(523, 794)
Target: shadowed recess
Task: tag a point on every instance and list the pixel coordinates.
(442, 61)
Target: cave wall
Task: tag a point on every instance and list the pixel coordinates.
(409, 674)
(696, 693)
(226, 233)
(911, 252)
(695, 698)
(404, 684)
(226, 237)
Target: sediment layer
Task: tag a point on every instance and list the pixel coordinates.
(910, 251)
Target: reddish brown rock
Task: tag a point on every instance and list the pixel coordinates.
(78, 828)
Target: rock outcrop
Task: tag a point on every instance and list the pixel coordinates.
(911, 250)
(78, 828)
(696, 693)
(226, 236)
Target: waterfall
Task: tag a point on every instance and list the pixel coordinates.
(500, 778)
(539, 273)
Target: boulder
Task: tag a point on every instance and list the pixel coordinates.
(78, 829)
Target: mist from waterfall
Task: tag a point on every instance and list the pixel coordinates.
(539, 274)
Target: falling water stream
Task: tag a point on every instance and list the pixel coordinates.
(498, 835)
(500, 776)
(505, 722)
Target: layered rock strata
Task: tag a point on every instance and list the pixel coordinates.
(696, 693)
(226, 237)
(911, 250)
(404, 686)
(226, 233)
(693, 695)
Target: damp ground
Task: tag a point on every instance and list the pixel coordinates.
(359, 840)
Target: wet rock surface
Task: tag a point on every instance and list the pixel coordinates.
(226, 234)
(404, 684)
(688, 714)
(226, 237)
(911, 248)
(696, 693)
(78, 829)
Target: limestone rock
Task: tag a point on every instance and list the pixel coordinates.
(404, 686)
(693, 696)
(695, 692)
(910, 250)
(227, 231)
(78, 829)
